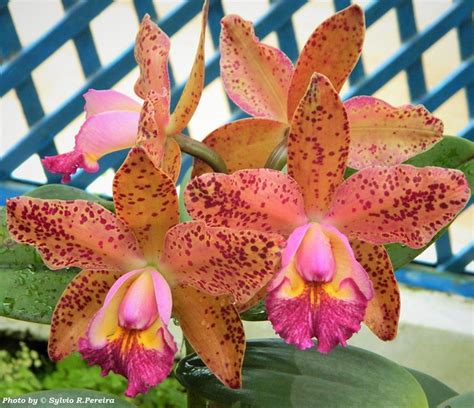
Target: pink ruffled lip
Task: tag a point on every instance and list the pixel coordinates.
(67, 164)
(128, 354)
(128, 335)
(321, 291)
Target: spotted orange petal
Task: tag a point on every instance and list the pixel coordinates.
(171, 162)
(382, 134)
(261, 199)
(152, 47)
(318, 145)
(221, 261)
(213, 327)
(192, 92)
(145, 198)
(261, 295)
(256, 76)
(151, 135)
(152, 123)
(243, 144)
(332, 50)
(81, 299)
(73, 233)
(383, 311)
(403, 204)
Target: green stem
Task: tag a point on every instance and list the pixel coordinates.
(279, 155)
(202, 152)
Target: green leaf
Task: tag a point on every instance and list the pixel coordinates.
(257, 313)
(70, 398)
(183, 213)
(278, 375)
(461, 401)
(29, 290)
(62, 192)
(31, 293)
(436, 391)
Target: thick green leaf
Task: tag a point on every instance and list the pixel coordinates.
(68, 398)
(256, 313)
(436, 391)
(62, 192)
(461, 401)
(278, 375)
(31, 293)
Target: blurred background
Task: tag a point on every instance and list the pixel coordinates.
(415, 51)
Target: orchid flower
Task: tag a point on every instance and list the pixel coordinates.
(262, 81)
(113, 119)
(139, 265)
(335, 270)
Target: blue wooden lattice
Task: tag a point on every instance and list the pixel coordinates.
(19, 62)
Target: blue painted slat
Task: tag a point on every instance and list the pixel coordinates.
(287, 39)
(143, 7)
(85, 47)
(466, 45)
(9, 189)
(459, 78)
(75, 20)
(443, 282)
(216, 12)
(457, 262)
(443, 248)
(468, 131)
(407, 30)
(26, 91)
(377, 9)
(411, 50)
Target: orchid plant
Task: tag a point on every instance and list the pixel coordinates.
(310, 241)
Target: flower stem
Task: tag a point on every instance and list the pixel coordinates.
(202, 152)
(279, 155)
